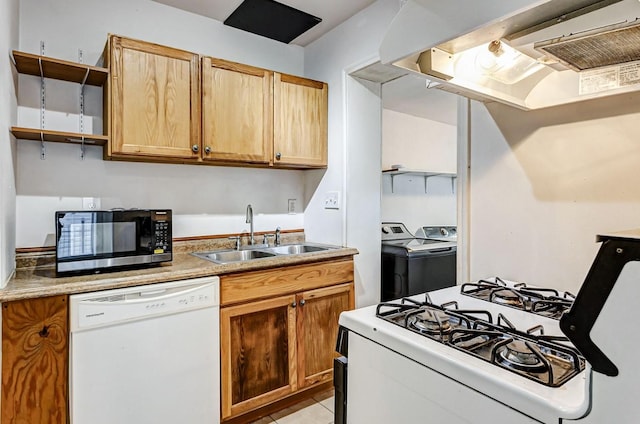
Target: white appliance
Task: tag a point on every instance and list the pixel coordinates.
(412, 265)
(146, 355)
(443, 233)
(495, 351)
(526, 53)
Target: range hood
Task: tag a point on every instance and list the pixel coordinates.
(528, 54)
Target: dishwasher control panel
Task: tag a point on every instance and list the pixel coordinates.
(135, 303)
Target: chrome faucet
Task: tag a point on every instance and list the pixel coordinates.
(250, 221)
(277, 236)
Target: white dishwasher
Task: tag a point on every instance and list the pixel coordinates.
(148, 354)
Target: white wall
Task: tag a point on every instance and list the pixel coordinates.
(188, 189)
(354, 143)
(544, 183)
(419, 144)
(8, 82)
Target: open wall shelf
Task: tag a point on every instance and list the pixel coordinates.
(31, 64)
(420, 173)
(62, 70)
(58, 136)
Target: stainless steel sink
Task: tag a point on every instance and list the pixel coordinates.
(295, 249)
(227, 256)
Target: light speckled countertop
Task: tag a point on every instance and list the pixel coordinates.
(41, 281)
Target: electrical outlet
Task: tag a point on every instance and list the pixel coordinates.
(90, 203)
(291, 207)
(332, 200)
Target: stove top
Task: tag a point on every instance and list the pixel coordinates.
(516, 356)
(546, 359)
(541, 301)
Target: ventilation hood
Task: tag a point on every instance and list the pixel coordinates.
(528, 54)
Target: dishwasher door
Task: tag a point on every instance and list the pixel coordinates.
(147, 354)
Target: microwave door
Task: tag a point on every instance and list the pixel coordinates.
(123, 237)
(76, 233)
(103, 238)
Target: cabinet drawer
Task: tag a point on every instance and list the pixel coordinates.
(254, 285)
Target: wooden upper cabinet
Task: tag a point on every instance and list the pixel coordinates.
(165, 104)
(237, 112)
(154, 100)
(35, 353)
(300, 121)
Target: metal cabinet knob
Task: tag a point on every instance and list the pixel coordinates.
(278, 156)
(207, 150)
(195, 148)
(302, 302)
(294, 304)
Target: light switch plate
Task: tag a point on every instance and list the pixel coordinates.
(332, 200)
(291, 206)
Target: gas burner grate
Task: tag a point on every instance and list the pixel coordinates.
(540, 301)
(536, 357)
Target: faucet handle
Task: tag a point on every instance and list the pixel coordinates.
(265, 238)
(237, 240)
(277, 236)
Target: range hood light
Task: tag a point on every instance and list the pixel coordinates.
(564, 51)
(496, 60)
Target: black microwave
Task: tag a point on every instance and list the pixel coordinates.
(95, 241)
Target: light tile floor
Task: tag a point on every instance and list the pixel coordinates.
(318, 410)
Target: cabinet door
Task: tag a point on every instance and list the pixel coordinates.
(237, 112)
(317, 325)
(155, 100)
(35, 357)
(300, 122)
(258, 349)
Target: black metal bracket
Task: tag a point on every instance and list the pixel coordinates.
(577, 323)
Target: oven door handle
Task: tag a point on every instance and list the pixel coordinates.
(577, 323)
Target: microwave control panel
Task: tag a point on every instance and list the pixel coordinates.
(162, 234)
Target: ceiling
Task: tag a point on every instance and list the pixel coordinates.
(332, 12)
(406, 94)
(409, 94)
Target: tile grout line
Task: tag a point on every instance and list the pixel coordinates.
(317, 402)
(324, 406)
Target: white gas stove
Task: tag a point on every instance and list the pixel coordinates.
(494, 351)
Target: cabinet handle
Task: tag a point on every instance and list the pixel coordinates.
(207, 150)
(302, 302)
(195, 148)
(278, 156)
(294, 304)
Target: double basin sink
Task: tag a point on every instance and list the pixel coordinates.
(257, 252)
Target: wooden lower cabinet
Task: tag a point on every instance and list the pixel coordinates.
(317, 328)
(275, 347)
(258, 340)
(35, 353)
